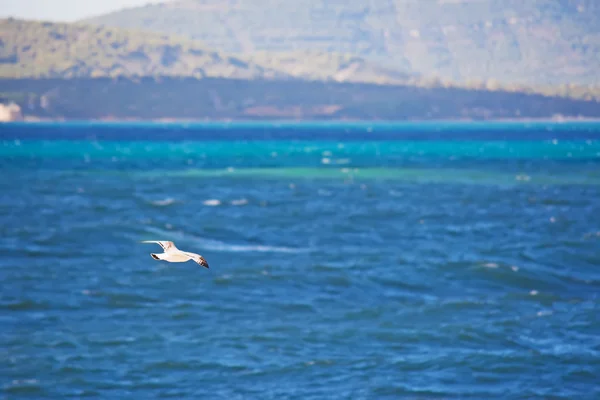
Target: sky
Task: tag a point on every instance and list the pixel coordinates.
(63, 10)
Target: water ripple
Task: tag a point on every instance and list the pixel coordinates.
(397, 274)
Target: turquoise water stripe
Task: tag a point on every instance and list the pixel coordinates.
(549, 149)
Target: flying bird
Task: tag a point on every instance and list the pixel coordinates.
(173, 254)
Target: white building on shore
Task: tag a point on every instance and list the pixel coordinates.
(10, 112)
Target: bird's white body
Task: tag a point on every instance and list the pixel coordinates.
(173, 257)
(173, 254)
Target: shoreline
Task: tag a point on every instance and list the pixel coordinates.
(299, 122)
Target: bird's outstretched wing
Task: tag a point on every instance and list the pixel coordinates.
(165, 244)
(197, 258)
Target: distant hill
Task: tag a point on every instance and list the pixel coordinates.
(31, 49)
(50, 50)
(526, 42)
(79, 71)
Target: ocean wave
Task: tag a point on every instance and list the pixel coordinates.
(24, 387)
(239, 202)
(396, 173)
(25, 305)
(164, 202)
(217, 245)
(212, 202)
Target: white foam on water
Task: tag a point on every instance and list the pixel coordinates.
(490, 265)
(544, 313)
(212, 202)
(217, 245)
(239, 202)
(164, 202)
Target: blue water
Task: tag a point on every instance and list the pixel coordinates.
(347, 261)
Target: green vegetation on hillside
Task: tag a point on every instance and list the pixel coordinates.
(49, 50)
(524, 42)
(221, 98)
(38, 49)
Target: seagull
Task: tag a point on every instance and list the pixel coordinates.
(173, 254)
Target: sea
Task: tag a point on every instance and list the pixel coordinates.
(434, 260)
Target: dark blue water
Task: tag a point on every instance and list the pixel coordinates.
(347, 261)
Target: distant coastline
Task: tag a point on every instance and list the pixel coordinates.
(556, 120)
(133, 74)
(220, 99)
